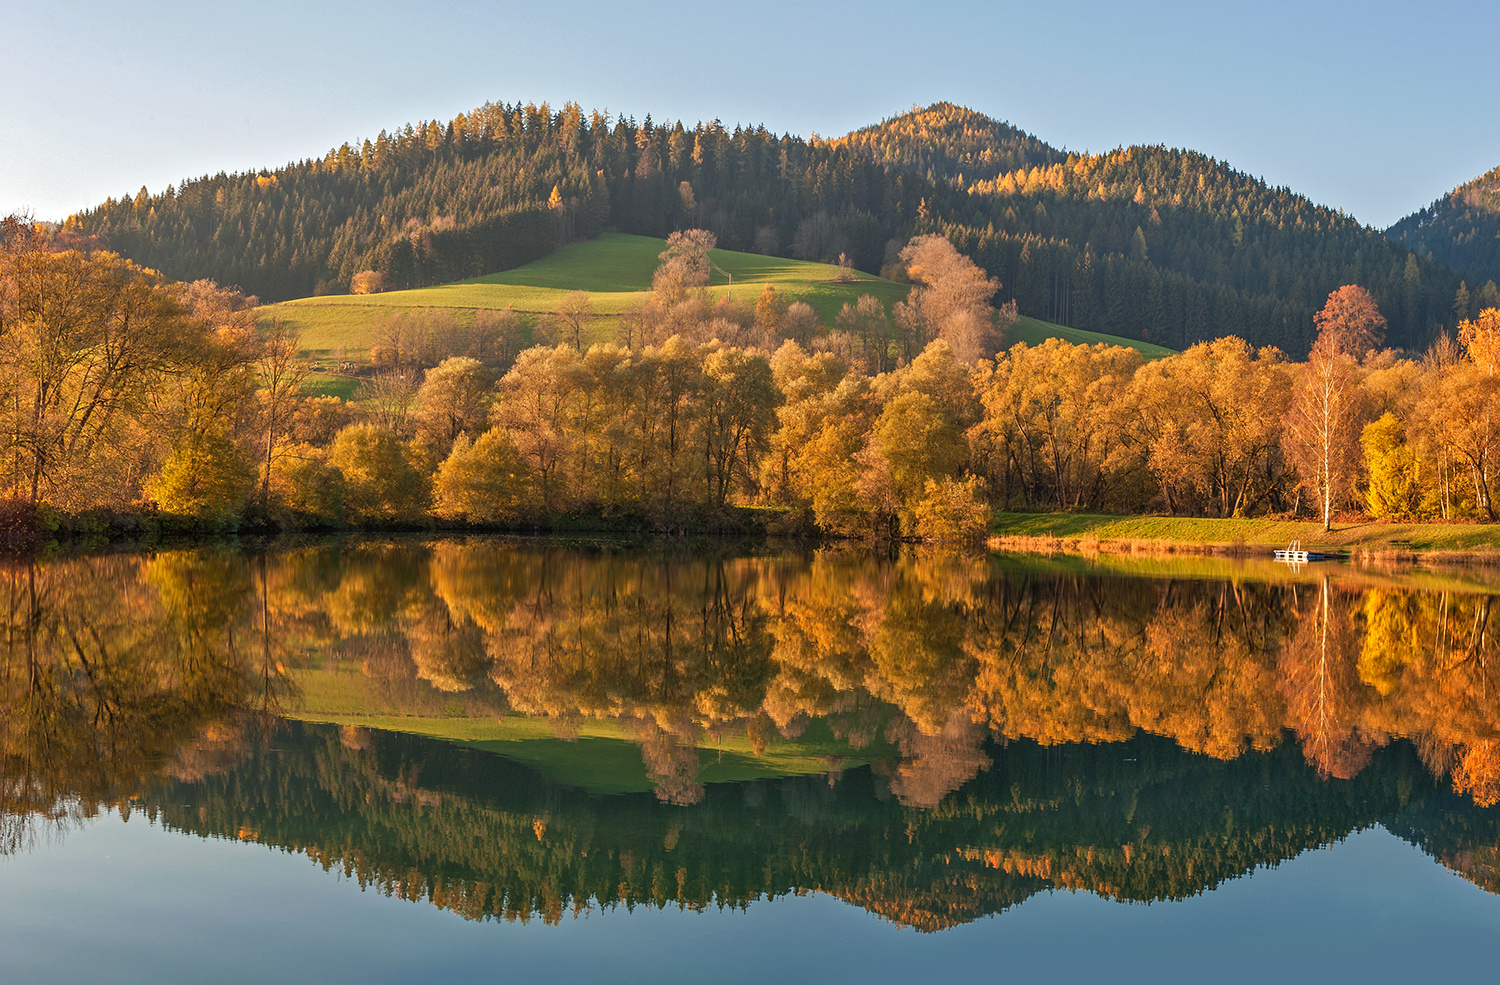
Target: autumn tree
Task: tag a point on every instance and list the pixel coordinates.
(454, 399)
(385, 478)
(1350, 322)
(1323, 423)
(1480, 339)
(739, 405)
(951, 300)
(684, 265)
(1210, 420)
(1055, 431)
(1394, 488)
(482, 481)
(83, 339)
(206, 479)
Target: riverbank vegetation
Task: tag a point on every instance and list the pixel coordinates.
(172, 405)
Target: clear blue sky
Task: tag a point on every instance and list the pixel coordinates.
(1377, 108)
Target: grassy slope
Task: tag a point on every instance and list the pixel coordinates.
(601, 759)
(1034, 331)
(1085, 530)
(616, 269)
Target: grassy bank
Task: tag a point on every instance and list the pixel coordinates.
(1075, 532)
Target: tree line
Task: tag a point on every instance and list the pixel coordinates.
(1145, 242)
(125, 391)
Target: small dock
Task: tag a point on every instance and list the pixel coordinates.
(1295, 553)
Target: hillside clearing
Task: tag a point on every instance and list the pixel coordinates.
(616, 270)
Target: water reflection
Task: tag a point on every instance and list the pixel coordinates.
(932, 737)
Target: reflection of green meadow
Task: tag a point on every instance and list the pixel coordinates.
(603, 758)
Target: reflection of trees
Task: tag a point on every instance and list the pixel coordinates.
(115, 669)
(916, 656)
(1322, 687)
(128, 677)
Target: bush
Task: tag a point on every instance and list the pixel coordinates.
(304, 487)
(21, 524)
(206, 480)
(484, 481)
(952, 510)
(384, 478)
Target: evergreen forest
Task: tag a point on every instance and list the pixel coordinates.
(1145, 242)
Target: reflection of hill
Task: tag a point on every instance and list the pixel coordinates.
(482, 837)
(1463, 837)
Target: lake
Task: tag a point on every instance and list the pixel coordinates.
(389, 760)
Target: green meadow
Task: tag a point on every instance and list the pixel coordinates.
(600, 756)
(1034, 331)
(616, 271)
(614, 268)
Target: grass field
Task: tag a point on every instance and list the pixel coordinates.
(616, 270)
(1033, 331)
(1073, 531)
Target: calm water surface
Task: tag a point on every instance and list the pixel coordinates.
(393, 760)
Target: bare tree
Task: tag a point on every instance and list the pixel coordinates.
(388, 399)
(279, 375)
(684, 265)
(573, 312)
(951, 300)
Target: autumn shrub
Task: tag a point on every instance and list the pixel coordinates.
(384, 477)
(205, 480)
(952, 510)
(367, 282)
(483, 481)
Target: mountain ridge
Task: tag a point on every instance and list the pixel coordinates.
(1147, 242)
(1462, 231)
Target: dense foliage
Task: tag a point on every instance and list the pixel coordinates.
(124, 391)
(1145, 242)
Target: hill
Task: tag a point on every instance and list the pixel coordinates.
(1150, 241)
(1146, 242)
(944, 141)
(1461, 230)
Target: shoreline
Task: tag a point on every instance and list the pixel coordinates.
(1085, 534)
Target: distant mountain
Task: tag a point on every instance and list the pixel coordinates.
(1146, 242)
(1462, 231)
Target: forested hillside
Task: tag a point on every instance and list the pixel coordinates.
(1148, 242)
(950, 142)
(1462, 231)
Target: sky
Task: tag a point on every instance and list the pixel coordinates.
(1376, 108)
